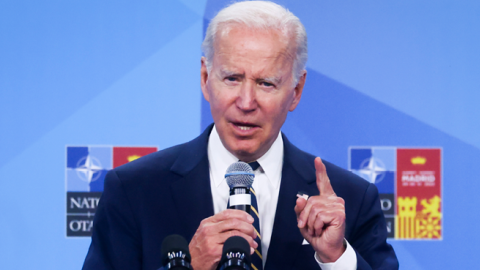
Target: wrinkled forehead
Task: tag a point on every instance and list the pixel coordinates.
(286, 36)
(225, 27)
(258, 48)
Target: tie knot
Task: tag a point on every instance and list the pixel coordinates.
(254, 165)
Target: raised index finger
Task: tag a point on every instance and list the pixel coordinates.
(323, 182)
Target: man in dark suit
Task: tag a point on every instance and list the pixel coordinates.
(252, 75)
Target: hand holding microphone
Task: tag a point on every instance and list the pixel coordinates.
(207, 243)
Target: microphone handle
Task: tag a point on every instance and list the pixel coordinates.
(245, 208)
(241, 204)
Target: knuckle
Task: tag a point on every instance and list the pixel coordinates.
(317, 210)
(207, 230)
(226, 214)
(200, 232)
(316, 207)
(233, 223)
(338, 206)
(306, 213)
(203, 222)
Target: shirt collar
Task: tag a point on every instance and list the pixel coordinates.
(220, 158)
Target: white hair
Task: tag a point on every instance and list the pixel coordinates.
(259, 15)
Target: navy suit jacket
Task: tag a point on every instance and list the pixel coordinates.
(168, 192)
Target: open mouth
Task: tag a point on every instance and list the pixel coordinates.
(244, 126)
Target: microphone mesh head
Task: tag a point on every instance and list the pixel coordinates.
(239, 174)
(174, 243)
(237, 244)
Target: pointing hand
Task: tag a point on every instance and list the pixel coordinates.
(321, 219)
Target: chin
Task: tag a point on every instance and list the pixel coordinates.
(247, 154)
(243, 151)
(238, 149)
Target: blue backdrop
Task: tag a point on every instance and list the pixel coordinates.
(124, 73)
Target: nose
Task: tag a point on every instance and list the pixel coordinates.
(246, 99)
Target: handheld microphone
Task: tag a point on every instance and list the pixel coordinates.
(235, 254)
(239, 178)
(175, 254)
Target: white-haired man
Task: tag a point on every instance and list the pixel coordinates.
(252, 75)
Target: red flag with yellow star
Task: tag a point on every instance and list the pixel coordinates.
(122, 155)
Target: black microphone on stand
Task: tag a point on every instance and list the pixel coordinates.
(175, 253)
(235, 254)
(239, 178)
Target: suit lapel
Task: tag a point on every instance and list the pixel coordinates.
(192, 193)
(297, 175)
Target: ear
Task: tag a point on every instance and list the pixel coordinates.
(298, 90)
(204, 78)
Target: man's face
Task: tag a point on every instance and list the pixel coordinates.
(250, 89)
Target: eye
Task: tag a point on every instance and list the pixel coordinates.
(231, 79)
(267, 84)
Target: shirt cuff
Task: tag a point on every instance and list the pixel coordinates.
(348, 260)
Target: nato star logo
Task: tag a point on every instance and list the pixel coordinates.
(89, 170)
(87, 167)
(372, 169)
(377, 165)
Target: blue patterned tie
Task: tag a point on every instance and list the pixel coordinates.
(257, 255)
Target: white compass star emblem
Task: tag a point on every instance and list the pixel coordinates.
(87, 171)
(371, 168)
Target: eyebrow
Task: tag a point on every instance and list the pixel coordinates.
(227, 73)
(274, 80)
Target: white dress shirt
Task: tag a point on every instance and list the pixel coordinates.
(266, 186)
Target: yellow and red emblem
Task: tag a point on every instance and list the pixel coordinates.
(419, 211)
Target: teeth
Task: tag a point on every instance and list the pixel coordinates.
(244, 128)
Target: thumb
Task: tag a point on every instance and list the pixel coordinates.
(323, 182)
(301, 203)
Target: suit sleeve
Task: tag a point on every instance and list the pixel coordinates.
(116, 242)
(369, 237)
